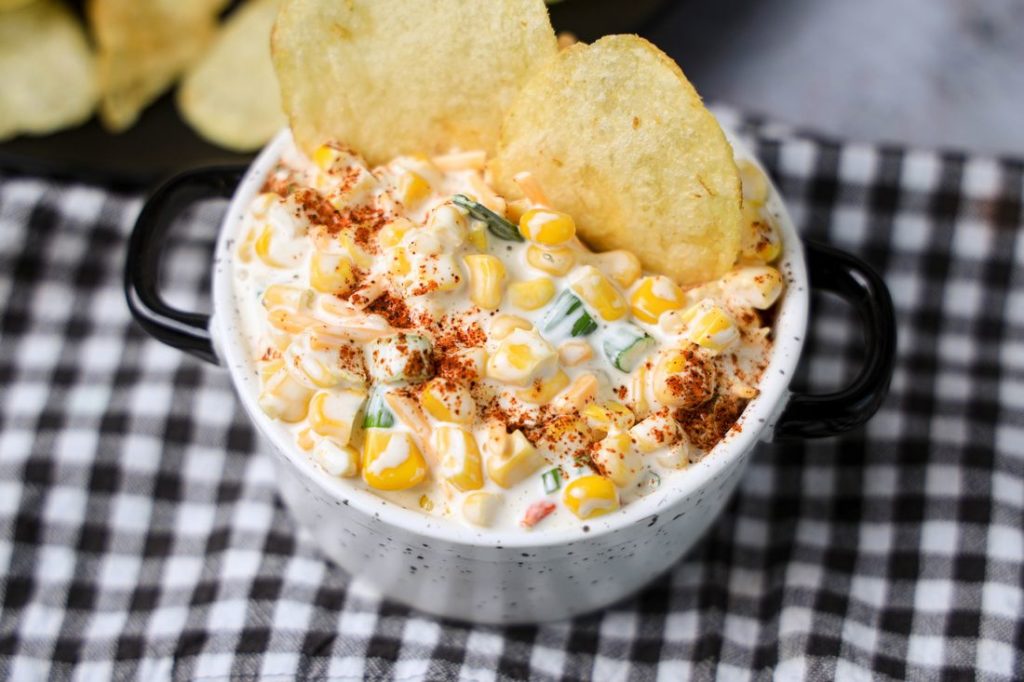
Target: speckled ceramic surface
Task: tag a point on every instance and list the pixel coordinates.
(449, 569)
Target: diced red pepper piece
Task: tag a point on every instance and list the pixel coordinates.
(536, 512)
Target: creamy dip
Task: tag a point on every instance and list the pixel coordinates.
(468, 356)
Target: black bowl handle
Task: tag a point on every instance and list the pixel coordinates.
(818, 416)
(183, 330)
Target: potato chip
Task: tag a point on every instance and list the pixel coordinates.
(47, 80)
(144, 47)
(619, 138)
(393, 77)
(231, 96)
(13, 4)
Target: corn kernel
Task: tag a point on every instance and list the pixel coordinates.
(521, 356)
(654, 296)
(572, 353)
(555, 260)
(331, 273)
(531, 294)
(393, 233)
(332, 413)
(284, 398)
(486, 280)
(541, 391)
(460, 457)
(676, 456)
(758, 286)
(755, 184)
(591, 496)
(684, 377)
(304, 439)
(622, 266)
(638, 391)
(760, 239)
(602, 417)
(422, 242)
(285, 296)
(481, 508)
(503, 325)
(412, 188)
(656, 431)
(516, 460)
(391, 460)
(616, 458)
(599, 293)
(546, 226)
(398, 262)
(447, 401)
(478, 235)
(708, 325)
(580, 393)
(337, 460)
(449, 225)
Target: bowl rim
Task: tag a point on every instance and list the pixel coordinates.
(757, 419)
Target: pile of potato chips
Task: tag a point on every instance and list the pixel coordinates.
(56, 73)
(613, 131)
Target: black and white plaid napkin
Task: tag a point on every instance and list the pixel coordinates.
(141, 536)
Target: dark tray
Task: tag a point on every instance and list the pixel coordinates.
(160, 144)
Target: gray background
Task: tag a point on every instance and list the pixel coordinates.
(934, 73)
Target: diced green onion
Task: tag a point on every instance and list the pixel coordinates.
(552, 480)
(378, 415)
(400, 357)
(625, 345)
(567, 317)
(498, 226)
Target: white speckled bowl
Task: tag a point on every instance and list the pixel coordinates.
(442, 566)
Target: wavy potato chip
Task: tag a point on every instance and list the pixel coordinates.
(6, 5)
(46, 70)
(619, 138)
(231, 96)
(143, 47)
(393, 77)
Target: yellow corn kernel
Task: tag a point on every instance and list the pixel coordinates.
(514, 462)
(590, 496)
(478, 235)
(337, 459)
(599, 293)
(758, 286)
(531, 294)
(285, 296)
(515, 209)
(486, 280)
(580, 393)
(546, 226)
(554, 260)
(331, 273)
(460, 457)
(448, 223)
(264, 248)
(656, 431)
(638, 391)
(683, 377)
(503, 325)
(304, 439)
(677, 456)
(602, 417)
(329, 156)
(622, 266)
(574, 352)
(245, 249)
(760, 240)
(356, 252)
(755, 184)
(412, 188)
(616, 458)
(292, 322)
(708, 325)
(398, 262)
(653, 296)
(521, 356)
(391, 460)
(422, 242)
(284, 398)
(393, 233)
(332, 413)
(447, 401)
(481, 508)
(541, 391)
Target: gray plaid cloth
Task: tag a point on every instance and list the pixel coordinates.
(141, 535)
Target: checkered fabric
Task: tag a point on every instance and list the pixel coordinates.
(141, 536)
